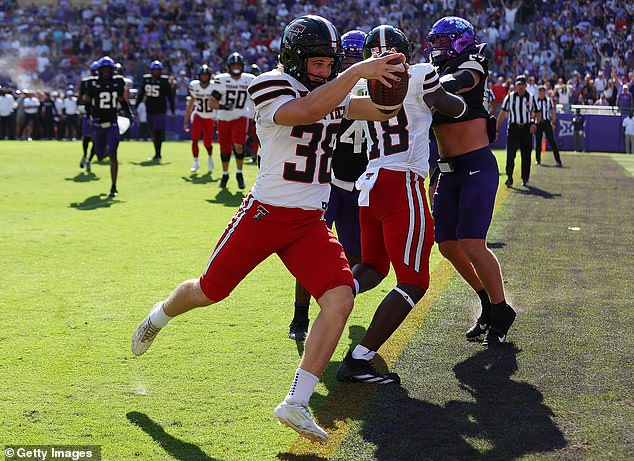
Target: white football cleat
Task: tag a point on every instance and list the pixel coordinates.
(196, 166)
(211, 164)
(143, 336)
(298, 417)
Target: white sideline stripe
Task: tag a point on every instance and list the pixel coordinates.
(230, 228)
(412, 220)
(421, 233)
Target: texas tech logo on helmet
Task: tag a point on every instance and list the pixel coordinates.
(293, 31)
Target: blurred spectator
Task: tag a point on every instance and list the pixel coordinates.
(71, 115)
(624, 100)
(48, 114)
(578, 122)
(31, 126)
(141, 113)
(7, 107)
(628, 130)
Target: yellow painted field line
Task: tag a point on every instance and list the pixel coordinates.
(346, 403)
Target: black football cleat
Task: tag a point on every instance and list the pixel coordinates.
(508, 182)
(298, 329)
(479, 328)
(240, 180)
(113, 192)
(361, 371)
(502, 317)
(223, 181)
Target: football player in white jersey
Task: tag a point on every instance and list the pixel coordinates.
(396, 225)
(298, 109)
(233, 121)
(201, 107)
(349, 160)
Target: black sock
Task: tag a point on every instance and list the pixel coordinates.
(157, 148)
(84, 144)
(301, 311)
(485, 316)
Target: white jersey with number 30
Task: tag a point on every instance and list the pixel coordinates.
(295, 160)
(202, 99)
(234, 92)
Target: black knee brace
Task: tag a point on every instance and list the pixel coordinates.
(238, 156)
(225, 157)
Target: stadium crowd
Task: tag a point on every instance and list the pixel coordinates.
(581, 50)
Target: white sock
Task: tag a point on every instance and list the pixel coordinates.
(238, 170)
(158, 317)
(302, 388)
(362, 353)
(225, 173)
(356, 287)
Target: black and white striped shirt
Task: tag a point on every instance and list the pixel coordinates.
(545, 107)
(519, 107)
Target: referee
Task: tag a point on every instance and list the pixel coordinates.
(520, 107)
(546, 108)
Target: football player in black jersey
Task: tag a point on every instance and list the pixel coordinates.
(104, 95)
(349, 160)
(156, 91)
(465, 194)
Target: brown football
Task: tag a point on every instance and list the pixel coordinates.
(388, 99)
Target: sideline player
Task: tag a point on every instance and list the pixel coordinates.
(396, 225)
(298, 111)
(201, 107)
(154, 91)
(349, 160)
(104, 95)
(468, 182)
(233, 119)
(86, 122)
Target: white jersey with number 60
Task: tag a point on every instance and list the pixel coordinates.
(234, 92)
(202, 99)
(295, 160)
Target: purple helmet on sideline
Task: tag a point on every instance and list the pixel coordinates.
(352, 43)
(449, 37)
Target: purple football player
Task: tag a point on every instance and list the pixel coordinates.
(465, 192)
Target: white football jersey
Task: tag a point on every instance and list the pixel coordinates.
(234, 91)
(402, 143)
(295, 160)
(202, 99)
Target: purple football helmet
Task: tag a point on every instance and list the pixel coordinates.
(352, 43)
(93, 66)
(449, 37)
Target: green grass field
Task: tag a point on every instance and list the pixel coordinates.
(79, 271)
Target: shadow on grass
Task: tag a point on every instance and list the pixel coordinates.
(84, 177)
(194, 178)
(532, 190)
(507, 420)
(94, 202)
(175, 447)
(150, 163)
(227, 198)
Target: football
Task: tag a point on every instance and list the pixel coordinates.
(388, 99)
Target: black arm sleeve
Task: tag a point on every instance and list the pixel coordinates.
(452, 83)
